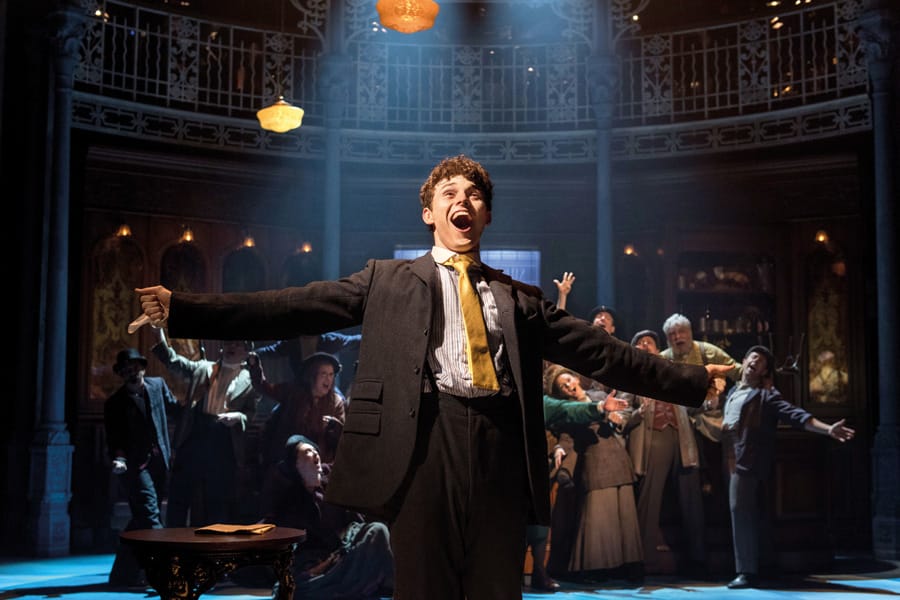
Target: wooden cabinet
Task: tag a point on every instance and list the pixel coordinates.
(728, 296)
(742, 286)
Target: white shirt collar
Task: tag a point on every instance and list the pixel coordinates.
(441, 255)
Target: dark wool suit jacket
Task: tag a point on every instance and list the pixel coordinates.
(751, 445)
(394, 301)
(127, 427)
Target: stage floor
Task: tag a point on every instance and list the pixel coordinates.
(85, 578)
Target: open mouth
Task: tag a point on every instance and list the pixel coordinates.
(462, 221)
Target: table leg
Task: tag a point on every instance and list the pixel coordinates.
(284, 575)
(183, 578)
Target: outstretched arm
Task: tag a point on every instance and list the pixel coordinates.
(836, 430)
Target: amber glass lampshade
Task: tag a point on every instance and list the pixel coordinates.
(407, 16)
(280, 117)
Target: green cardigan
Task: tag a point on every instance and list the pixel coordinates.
(569, 412)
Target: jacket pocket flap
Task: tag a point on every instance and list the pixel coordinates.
(367, 389)
(364, 421)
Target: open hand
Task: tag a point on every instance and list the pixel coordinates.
(565, 284)
(617, 418)
(841, 432)
(230, 419)
(613, 404)
(558, 455)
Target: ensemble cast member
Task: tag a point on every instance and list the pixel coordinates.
(137, 439)
(209, 434)
(751, 414)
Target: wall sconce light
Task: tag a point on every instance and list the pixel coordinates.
(407, 16)
(123, 231)
(304, 248)
(629, 250)
(822, 236)
(248, 242)
(187, 236)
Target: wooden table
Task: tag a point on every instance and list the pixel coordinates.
(182, 564)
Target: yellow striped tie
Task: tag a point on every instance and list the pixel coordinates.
(481, 365)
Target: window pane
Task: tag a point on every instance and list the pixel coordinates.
(523, 265)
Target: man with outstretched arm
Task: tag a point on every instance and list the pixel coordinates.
(444, 437)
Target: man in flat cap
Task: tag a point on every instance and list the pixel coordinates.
(751, 415)
(603, 317)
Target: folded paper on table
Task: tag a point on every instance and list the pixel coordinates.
(223, 528)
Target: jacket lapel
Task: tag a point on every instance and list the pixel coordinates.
(501, 288)
(426, 271)
(241, 385)
(423, 267)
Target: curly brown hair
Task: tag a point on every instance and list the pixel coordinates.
(451, 167)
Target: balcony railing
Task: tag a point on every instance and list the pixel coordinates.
(803, 57)
(149, 57)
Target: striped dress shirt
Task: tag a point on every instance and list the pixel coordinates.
(447, 356)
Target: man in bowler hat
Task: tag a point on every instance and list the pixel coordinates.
(137, 439)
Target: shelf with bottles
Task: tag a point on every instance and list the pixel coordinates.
(728, 297)
(733, 332)
(739, 324)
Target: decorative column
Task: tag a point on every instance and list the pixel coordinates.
(50, 483)
(603, 78)
(880, 35)
(334, 86)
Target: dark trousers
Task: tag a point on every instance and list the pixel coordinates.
(146, 488)
(461, 517)
(743, 501)
(203, 476)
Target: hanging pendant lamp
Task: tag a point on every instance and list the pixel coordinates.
(407, 16)
(280, 117)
